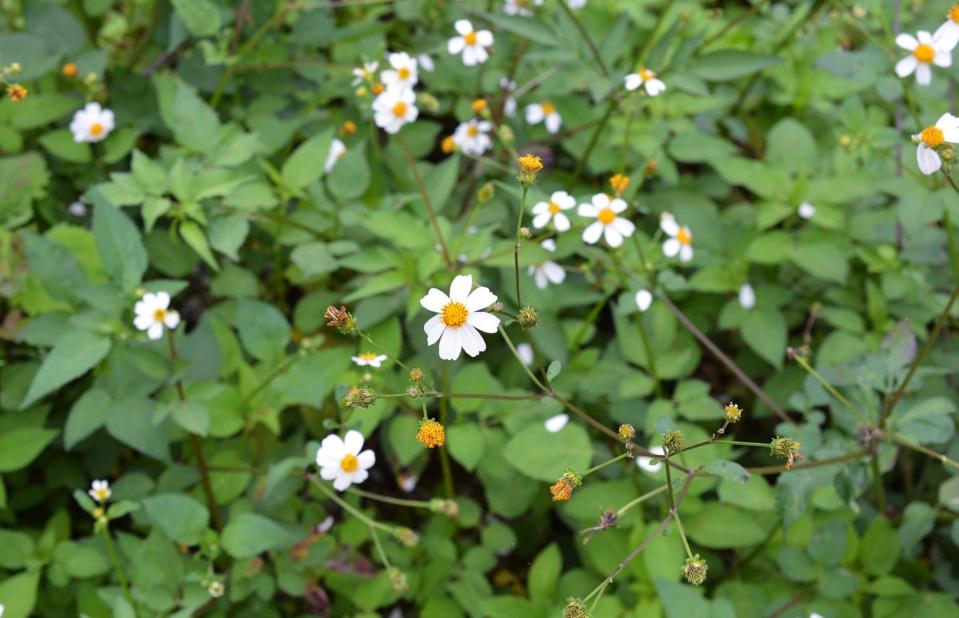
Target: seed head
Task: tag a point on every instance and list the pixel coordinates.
(786, 448)
(562, 490)
(528, 318)
(407, 537)
(575, 609)
(340, 319)
(673, 441)
(732, 413)
(626, 432)
(446, 507)
(695, 570)
(416, 374)
(398, 580)
(428, 102)
(359, 398)
(431, 434)
(16, 92)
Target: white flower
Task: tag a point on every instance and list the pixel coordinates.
(459, 316)
(547, 271)
(394, 108)
(425, 62)
(644, 298)
(607, 223)
(342, 462)
(471, 43)
(408, 482)
(370, 359)
(403, 75)
(543, 212)
(925, 51)
(947, 35)
(525, 352)
(153, 313)
(644, 76)
(555, 423)
(337, 150)
(364, 73)
(326, 525)
(575, 4)
(77, 209)
(806, 210)
(932, 137)
(520, 7)
(747, 296)
(472, 137)
(509, 104)
(91, 124)
(680, 238)
(815, 615)
(1, 610)
(651, 464)
(216, 589)
(538, 112)
(100, 491)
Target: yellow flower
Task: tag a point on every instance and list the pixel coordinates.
(69, 70)
(16, 92)
(732, 412)
(348, 128)
(479, 106)
(431, 434)
(619, 182)
(447, 145)
(530, 165)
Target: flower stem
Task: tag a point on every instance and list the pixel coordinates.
(586, 37)
(444, 455)
(830, 388)
(426, 200)
(640, 499)
(519, 225)
(922, 449)
(604, 464)
(519, 359)
(581, 163)
(416, 504)
(355, 512)
(117, 567)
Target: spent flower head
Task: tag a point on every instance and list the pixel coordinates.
(444, 506)
(406, 536)
(575, 609)
(788, 449)
(695, 570)
(16, 92)
(528, 318)
(529, 166)
(562, 490)
(673, 441)
(732, 412)
(360, 398)
(340, 319)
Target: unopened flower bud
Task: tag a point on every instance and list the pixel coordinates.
(695, 570)
(528, 318)
(447, 507)
(732, 413)
(626, 432)
(481, 107)
(619, 183)
(428, 102)
(948, 153)
(216, 589)
(360, 398)
(650, 169)
(575, 609)
(525, 233)
(407, 537)
(506, 134)
(398, 580)
(378, 88)
(413, 392)
(348, 128)
(416, 374)
(448, 144)
(844, 140)
(362, 91)
(15, 68)
(497, 306)
(485, 193)
(673, 441)
(69, 69)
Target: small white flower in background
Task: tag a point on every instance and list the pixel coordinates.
(747, 296)
(394, 108)
(932, 137)
(525, 352)
(326, 525)
(947, 35)
(644, 298)
(459, 318)
(472, 136)
(680, 239)
(344, 461)
(644, 76)
(77, 209)
(651, 464)
(364, 73)
(509, 104)
(548, 271)
(520, 7)
(471, 43)
(575, 4)
(544, 212)
(608, 222)
(2, 609)
(403, 75)
(538, 112)
(806, 210)
(337, 150)
(815, 615)
(91, 124)
(925, 51)
(408, 482)
(216, 589)
(100, 491)
(153, 313)
(425, 62)
(370, 359)
(555, 423)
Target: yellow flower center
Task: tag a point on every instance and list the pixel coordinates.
(684, 236)
(368, 356)
(403, 73)
(646, 74)
(349, 463)
(399, 110)
(454, 315)
(554, 207)
(954, 13)
(378, 88)
(96, 129)
(548, 108)
(472, 131)
(924, 53)
(932, 136)
(159, 315)
(431, 434)
(102, 494)
(606, 216)
(470, 38)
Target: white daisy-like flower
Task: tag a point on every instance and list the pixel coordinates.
(931, 138)
(394, 108)
(100, 491)
(370, 359)
(520, 7)
(747, 296)
(608, 222)
(91, 124)
(924, 51)
(575, 4)
(216, 589)
(544, 111)
(425, 62)
(526, 355)
(459, 318)
(651, 464)
(544, 212)
(153, 314)
(509, 104)
(337, 150)
(344, 461)
(644, 77)
(77, 209)
(556, 423)
(815, 615)
(365, 72)
(472, 136)
(408, 482)
(806, 210)
(548, 271)
(403, 74)
(947, 35)
(644, 298)
(680, 239)
(472, 44)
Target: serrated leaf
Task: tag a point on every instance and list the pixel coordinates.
(74, 354)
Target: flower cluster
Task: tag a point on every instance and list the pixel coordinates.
(395, 103)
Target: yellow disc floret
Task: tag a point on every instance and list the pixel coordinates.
(349, 463)
(606, 216)
(932, 136)
(454, 315)
(431, 434)
(924, 53)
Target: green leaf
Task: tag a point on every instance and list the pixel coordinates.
(19, 447)
(194, 416)
(131, 422)
(791, 147)
(821, 259)
(193, 122)
(60, 144)
(466, 444)
(928, 422)
(180, 517)
(263, 329)
(313, 258)
(544, 574)
(119, 245)
(879, 550)
(22, 179)
(728, 64)
(350, 177)
(249, 534)
(544, 456)
(719, 526)
(55, 266)
(18, 594)
(305, 165)
(74, 354)
(89, 413)
(765, 332)
(537, 30)
(728, 470)
(201, 17)
(194, 236)
(228, 233)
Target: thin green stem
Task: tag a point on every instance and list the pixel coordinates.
(586, 37)
(713, 441)
(416, 504)
(807, 465)
(444, 455)
(519, 359)
(830, 388)
(589, 320)
(289, 362)
(877, 482)
(379, 547)
(250, 43)
(643, 335)
(117, 567)
(355, 512)
(640, 499)
(922, 449)
(682, 533)
(619, 457)
(426, 200)
(519, 227)
(580, 164)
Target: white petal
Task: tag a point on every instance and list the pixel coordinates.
(341, 482)
(644, 298)
(450, 345)
(155, 331)
(460, 288)
(434, 329)
(587, 210)
(162, 300)
(623, 226)
(923, 74)
(592, 233)
(556, 423)
(617, 205)
(806, 210)
(671, 247)
(463, 26)
(907, 41)
(359, 476)
(747, 296)
(472, 341)
(669, 225)
(541, 220)
(632, 81)
(480, 299)
(455, 45)
(172, 319)
(553, 122)
(434, 300)
(928, 159)
(353, 442)
(906, 66)
(484, 38)
(328, 473)
(686, 253)
(534, 113)
(561, 222)
(366, 459)
(525, 352)
(942, 58)
(600, 201)
(539, 277)
(486, 322)
(924, 37)
(470, 55)
(549, 245)
(654, 87)
(540, 208)
(613, 237)
(554, 272)
(142, 321)
(564, 200)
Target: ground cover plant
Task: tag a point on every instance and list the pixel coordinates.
(518, 308)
